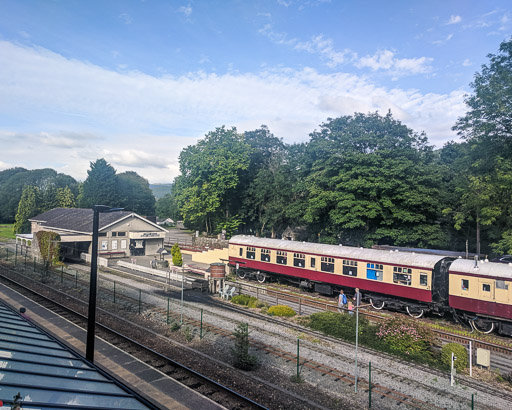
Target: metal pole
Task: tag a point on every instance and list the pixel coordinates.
(62, 274)
(34, 263)
(182, 282)
(140, 299)
(300, 306)
(357, 340)
(168, 308)
(369, 384)
(16, 255)
(201, 331)
(470, 359)
(92, 287)
(298, 360)
(472, 401)
(114, 292)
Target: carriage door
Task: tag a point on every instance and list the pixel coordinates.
(502, 291)
(486, 290)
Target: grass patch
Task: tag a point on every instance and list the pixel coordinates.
(6, 231)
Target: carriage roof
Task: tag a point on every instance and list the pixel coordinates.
(482, 268)
(338, 251)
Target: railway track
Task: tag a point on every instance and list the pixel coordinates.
(345, 378)
(210, 388)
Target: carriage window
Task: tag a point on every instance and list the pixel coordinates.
(251, 253)
(465, 284)
(374, 271)
(402, 278)
(423, 279)
(241, 251)
(313, 262)
(327, 264)
(398, 269)
(500, 284)
(265, 255)
(486, 287)
(350, 268)
(281, 258)
(299, 259)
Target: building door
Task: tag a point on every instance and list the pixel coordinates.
(137, 247)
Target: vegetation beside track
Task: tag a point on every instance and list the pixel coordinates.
(6, 231)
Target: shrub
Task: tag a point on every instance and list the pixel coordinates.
(243, 299)
(281, 310)
(460, 352)
(339, 325)
(255, 303)
(405, 337)
(243, 359)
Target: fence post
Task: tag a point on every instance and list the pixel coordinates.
(76, 279)
(300, 305)
(62, 274)
(201, 331)
(16, 256)
(140, 299)
(114, 292)
(25, 260)
(472, 401)
(34, 263)
(298, 360)
(369, 384)
(168, 309)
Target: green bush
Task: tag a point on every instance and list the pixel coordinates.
(242, 358)
(243, 299)
(255, 303)
(281, 310)
(460, 352)
(339, 325)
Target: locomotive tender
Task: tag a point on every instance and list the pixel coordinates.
(477, 293)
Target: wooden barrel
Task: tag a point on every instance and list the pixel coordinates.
(217, 270)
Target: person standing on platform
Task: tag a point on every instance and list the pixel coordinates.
(357, 298)
(342, 301)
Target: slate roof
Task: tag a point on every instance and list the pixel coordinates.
(77, 219)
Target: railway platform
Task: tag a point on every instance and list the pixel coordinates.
(156, 387)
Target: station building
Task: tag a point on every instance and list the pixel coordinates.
(120, 233)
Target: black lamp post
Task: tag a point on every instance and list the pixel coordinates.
(89, 350)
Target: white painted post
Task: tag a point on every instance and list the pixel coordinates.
(452, 373)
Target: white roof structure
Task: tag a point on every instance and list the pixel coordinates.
(338, 251)
(482, 268)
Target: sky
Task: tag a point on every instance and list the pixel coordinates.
(136, 81)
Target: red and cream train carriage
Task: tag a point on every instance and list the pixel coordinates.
(397, 280)
(481, 293)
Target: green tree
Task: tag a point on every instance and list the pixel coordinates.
(167, 207)
(135, 193)
(177, 259)
(100, 187)
(49, 247)
(373, 180)
(487, 128)
(210, 174)
(65, 198)
(27, 208)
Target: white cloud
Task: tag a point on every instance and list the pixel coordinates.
(444, 40)
(386, 60)
(186, 10)
(74, 112)
(454, 20)
(325, 48)
(467, 62)
(125, 18)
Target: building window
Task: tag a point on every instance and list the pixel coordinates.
(282, 258)
(123, 244)
(327, 264)
(423, 279)
(265, 255)
(486, 287)
(350, 268)
(114, 233)
(374, 271)
(299, 260)
(465, 284)
(121, 233)
(500, 284)
(104, 245)
(114, 245)
(251, 253)
(102, 234)
(313, 262)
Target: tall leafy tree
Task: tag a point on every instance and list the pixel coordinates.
(210, 174)
(487, 128)
(65, 198)
(27, 208)
(100, 187)
(372, 181)
(135, 193)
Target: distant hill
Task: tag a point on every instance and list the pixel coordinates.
(160, 190)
